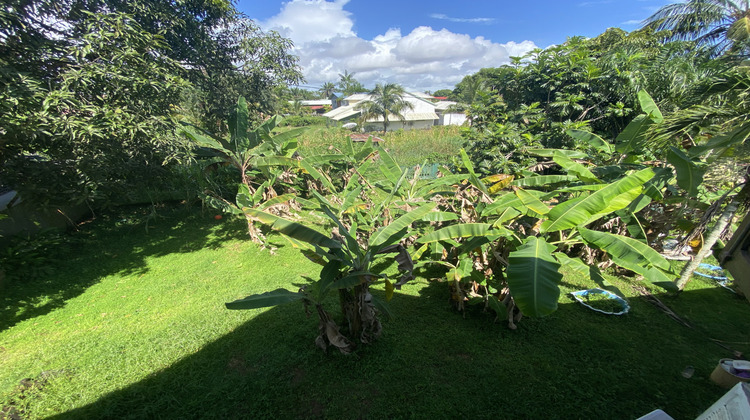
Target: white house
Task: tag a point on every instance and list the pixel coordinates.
(448, 115)
(423, 114)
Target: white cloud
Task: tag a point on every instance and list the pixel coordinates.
(424, 59)
(312, 20)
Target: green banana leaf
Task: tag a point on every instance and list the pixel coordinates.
(292, 229)
(473, 178)
(631, 254)
(392, 233)
(649, 107)
(264, 300)
(576, 212)
(238, 125)
(283, 198)
(533, 276)
(689, 175)
(575, 168)
(532, 203)
(542, 180)
(440, 216)
(463, 230)
(573, 154)
(633, 135)
(317, 175)
(508, 200)
(592, 139)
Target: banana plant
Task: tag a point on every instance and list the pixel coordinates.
(363, 232)
(245, 148)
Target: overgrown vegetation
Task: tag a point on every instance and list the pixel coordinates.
(579, 161)
(143, 309)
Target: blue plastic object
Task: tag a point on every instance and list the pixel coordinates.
(582, 294)
(718, 275)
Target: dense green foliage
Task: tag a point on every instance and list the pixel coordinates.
(722, 25)
(91, 90)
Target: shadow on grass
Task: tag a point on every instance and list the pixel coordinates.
(120, 243)
(433, 363)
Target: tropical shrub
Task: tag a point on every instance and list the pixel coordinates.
(367, 226)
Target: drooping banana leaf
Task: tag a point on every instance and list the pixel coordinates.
(497, 182)
(575, 168)
(633, 135)
(533, 276)
(391, 234)
(317, 175)
(533, 204)
(542, 180)
(243, 197)
(573, 154)
(723, 142)
(592, 139)
(508, 200)
(351, 240)
(634, 225)
(631, 254)
(292, 229)
(204, 139)
(499, 308)
(463, 230)
(353, 279)
(440, 216)
(330, 272)
(264, 300)
(576, 212)
(689, 175)
(279, 199)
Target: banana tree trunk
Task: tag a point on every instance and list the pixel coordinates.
(711, 238)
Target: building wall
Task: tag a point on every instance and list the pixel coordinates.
(395, 125)
(452, 119)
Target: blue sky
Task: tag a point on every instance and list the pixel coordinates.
(431, 45)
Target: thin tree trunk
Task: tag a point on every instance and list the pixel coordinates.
(711, 239)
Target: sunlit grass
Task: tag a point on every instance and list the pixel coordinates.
(438, 144)
(133, 324)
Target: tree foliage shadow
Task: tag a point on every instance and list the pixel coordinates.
(122, 240)
(434, 363)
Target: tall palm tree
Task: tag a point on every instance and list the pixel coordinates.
(327, 90)
(723, 25)
(385, 100)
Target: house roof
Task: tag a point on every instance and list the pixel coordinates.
(443, 105)
(341, 113)
(425, 111)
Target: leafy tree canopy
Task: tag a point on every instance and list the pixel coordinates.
(90, 89)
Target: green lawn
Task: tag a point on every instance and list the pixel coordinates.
(132, 324)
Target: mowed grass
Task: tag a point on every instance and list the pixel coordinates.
(132, 324)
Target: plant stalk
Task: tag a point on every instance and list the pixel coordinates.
(710, 240)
